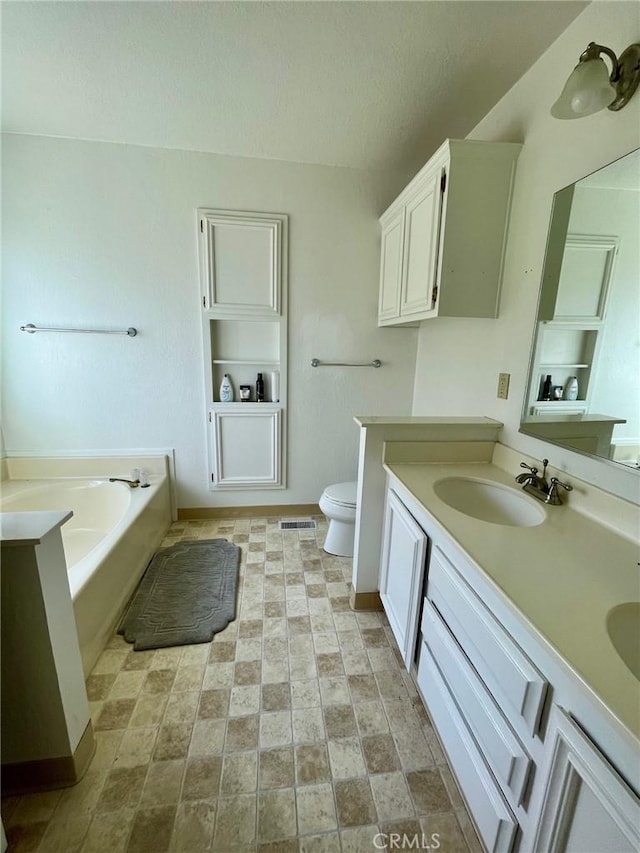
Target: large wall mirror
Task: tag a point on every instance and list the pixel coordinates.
(584, 379)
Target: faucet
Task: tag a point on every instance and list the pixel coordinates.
(133, 484)
(538, 486)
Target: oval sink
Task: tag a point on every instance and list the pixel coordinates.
(489, 501)
(623, 627)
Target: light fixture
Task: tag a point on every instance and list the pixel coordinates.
(591, 87)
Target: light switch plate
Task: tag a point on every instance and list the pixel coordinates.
(503, 385)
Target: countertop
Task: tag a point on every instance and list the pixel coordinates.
(18, 529)
(563, 576)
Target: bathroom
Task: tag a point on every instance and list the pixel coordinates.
(100, 233)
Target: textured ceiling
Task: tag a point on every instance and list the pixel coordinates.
(363, 84)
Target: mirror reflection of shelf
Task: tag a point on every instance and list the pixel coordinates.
(559, 407)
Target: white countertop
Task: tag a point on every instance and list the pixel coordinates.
(18, 529)
(563, 576)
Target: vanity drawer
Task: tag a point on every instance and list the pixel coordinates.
(505, 754)
(493, 818)
(500, 662)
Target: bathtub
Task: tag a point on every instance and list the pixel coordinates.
(108, 543)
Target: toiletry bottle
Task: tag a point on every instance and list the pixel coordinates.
(226, 390)
(275, 386)
(546, 388)
(260, 389)
(571, 389)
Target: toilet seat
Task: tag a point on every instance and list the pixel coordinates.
(342, 494)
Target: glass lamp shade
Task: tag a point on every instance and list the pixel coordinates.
(587, 90)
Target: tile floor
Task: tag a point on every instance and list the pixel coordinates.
(296, 729)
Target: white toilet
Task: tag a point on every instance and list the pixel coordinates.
(338, 503)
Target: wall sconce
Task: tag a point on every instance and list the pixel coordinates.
(591, 88)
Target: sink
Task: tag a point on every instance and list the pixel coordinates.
(623, 627)
(489, 501)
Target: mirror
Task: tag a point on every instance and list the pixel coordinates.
(584, 378)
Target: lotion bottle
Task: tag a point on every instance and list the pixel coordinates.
(226, 390)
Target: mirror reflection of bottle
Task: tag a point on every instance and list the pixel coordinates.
(546, 388)
(571, 389)
(260, 389)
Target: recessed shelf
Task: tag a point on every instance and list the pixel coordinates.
(561, 364)
(251, 406)
(250, 362)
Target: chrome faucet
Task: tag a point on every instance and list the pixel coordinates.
(133, 484)
(538, 486)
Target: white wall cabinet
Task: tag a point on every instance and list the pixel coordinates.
(443, 238)
(404, 548)
(241, 258)
(586, 806)
(243, 272)
(246, 446)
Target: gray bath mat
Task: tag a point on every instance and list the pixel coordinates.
(187, 594)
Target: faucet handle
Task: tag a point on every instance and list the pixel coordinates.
(553, 497)
(529, 467)
(556, 482)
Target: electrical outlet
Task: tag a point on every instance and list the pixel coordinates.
(503, 385)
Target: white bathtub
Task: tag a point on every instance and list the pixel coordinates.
(108, 543)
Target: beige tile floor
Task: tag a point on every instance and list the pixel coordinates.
(296, 729)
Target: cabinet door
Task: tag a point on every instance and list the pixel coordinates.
(586, 805)
(587, 265)
(246, 446)
(241, 262)
(404, 547)
(391, 266)
(420, 263)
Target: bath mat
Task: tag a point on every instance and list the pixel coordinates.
(187, 594)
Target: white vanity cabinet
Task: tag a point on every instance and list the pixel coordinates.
(243, 274)
(443, 238)
(586, 805)
(512, 719)
(404, 548)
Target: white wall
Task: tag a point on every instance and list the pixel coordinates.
(458, 361)
(104, 235)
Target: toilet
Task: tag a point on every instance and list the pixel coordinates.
(338, 503)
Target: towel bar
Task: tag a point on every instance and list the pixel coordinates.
(315, 362)
(131, 332)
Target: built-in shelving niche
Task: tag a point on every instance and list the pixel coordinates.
(243, 270)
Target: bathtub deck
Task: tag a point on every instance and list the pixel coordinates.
(296, 729)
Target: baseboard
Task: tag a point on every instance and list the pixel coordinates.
(278, 510)
(26, 777)
(365, 600)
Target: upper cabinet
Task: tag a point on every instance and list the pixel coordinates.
(240, 260)
(443, 238)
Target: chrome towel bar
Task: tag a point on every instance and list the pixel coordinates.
(315, 362)
(131, 332)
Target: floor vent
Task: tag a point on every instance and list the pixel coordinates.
(297, 524)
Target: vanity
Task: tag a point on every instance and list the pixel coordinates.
(506, 612)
